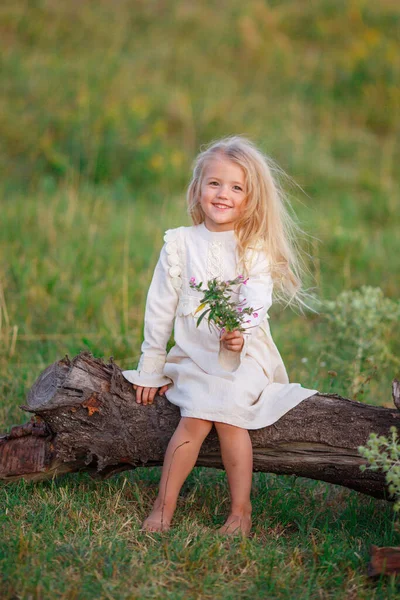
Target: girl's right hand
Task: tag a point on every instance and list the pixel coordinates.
(145, 395)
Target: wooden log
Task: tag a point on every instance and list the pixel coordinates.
(86, 418)
(384, 561)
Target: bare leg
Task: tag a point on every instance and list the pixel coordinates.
(180, 458)
(237, 456)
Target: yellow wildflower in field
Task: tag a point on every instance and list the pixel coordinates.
(144, 139)
(111, 111)
(157, 162)
(176, 158)
(140, 106)
(159, 127)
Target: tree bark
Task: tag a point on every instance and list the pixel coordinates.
(85, 418)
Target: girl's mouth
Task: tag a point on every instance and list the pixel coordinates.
(221, 206)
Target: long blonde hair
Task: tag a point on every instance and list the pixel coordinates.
(265, 223)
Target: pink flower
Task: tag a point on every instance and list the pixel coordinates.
(239, 309)
(248, 321)
(193, 280)
(255, 315)
(223, 330)
(245, 281)
(240, 276)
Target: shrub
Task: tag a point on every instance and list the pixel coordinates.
(384, 453)
(360, 336)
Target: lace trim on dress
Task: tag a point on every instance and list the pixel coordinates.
(215, 267)
(151, 364)
(187, 305)
(174, 262)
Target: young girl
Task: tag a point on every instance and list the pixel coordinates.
(234, 381)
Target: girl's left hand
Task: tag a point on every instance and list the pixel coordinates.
(233, 340)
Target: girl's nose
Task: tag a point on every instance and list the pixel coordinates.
(223, 191)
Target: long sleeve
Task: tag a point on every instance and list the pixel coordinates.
(161, 303)
(256, 291)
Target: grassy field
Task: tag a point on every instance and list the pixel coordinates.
(104, 107)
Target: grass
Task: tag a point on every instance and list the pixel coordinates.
(310, 540)
(102, 113)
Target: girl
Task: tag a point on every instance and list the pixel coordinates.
(235, 381)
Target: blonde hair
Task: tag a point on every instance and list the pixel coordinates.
(265, 222)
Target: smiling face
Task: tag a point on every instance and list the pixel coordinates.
(222, 193)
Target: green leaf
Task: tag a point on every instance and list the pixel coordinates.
(201, 317)
(210, 318)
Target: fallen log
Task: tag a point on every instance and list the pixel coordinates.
(384, 561)
(85, 418)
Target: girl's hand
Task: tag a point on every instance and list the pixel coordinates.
(233, 340)
(145, 395)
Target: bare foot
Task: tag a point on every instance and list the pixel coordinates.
(154, 523)
(236, 525)
(158, 520)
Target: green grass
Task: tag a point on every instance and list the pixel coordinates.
(104, 106)
(310, 540)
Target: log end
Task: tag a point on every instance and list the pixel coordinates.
(384, 561)
(45, 386)
(396, 393)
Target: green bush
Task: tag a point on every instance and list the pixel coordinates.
(384, 453)
(360, 336)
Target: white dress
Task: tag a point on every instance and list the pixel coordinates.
(249, 389)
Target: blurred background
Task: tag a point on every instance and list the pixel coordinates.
(105, 104)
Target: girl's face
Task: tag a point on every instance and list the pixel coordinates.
(222, 193)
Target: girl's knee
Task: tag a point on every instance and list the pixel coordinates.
(230, 430)
(199, 427)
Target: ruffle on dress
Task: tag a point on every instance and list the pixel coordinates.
(171, 239)
(187, 303)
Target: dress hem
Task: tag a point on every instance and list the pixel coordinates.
(214, 417)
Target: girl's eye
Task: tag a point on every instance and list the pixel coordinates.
(237, 187)
(213, 182)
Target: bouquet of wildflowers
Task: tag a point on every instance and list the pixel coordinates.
(221, 311)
